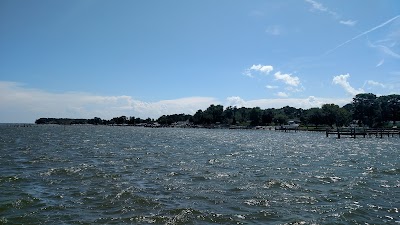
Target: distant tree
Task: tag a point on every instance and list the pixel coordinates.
(41, 121)
(314, 116)
(228, 115)
(389, 107)
(280, 119)
(95, 121)
(267, 116)
(255, 116)
(366, 108)
(343, 117)
(291, 112)
(138, 120)
(198, 117)
(131, 120)
(349, 108)
(213, 113)
(241, 116)
(330, 114)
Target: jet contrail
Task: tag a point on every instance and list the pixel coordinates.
(362, 34)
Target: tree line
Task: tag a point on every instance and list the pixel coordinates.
(366, 109)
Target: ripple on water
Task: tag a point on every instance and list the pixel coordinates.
(99, 174)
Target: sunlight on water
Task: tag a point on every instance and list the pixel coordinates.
(99, 174)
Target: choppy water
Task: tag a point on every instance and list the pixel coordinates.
(115, 175)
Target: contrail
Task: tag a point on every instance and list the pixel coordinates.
(362, 34)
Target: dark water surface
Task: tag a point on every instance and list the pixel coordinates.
(127, 175)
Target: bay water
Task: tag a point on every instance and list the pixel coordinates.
(54, 174)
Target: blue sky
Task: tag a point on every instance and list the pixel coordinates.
(148, 58)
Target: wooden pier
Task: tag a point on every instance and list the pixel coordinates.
(363, 132)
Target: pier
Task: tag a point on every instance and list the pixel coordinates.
(362, 132)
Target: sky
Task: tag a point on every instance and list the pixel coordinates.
(146, 58)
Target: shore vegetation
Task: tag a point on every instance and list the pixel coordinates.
(366, 110)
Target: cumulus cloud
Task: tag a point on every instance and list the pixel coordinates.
(235, 101)
(305, 103)
(287, 78)
(21, 104)
(348, 22)
(262, 68)
(265, 69)
(342, 81)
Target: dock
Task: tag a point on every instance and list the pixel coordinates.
(362, 132)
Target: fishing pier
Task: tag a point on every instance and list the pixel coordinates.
(363, 132)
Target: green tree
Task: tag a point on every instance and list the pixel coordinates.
(390, 107)
(366, 108)
(267, 116)
(280, 119)
(255, 116)
(228, 115)
(198, 117)
(213, 114)
(330, 114)
(343, 117)
(291, 112)
(314, 116)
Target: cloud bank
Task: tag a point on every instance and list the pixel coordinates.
(21, 104)
(304, 103)
(25, 105)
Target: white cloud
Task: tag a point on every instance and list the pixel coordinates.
(386, 50)
(262, 68)
(348, 22)
(265, 69)
(317, 6)
(287, 78)
(282, 94)
(235, 101)
(342, 81)
(271, 87)
(375, 83)
(21, 104)
(304, 103)
(274, 30)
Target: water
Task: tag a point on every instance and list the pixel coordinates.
(128, 175)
